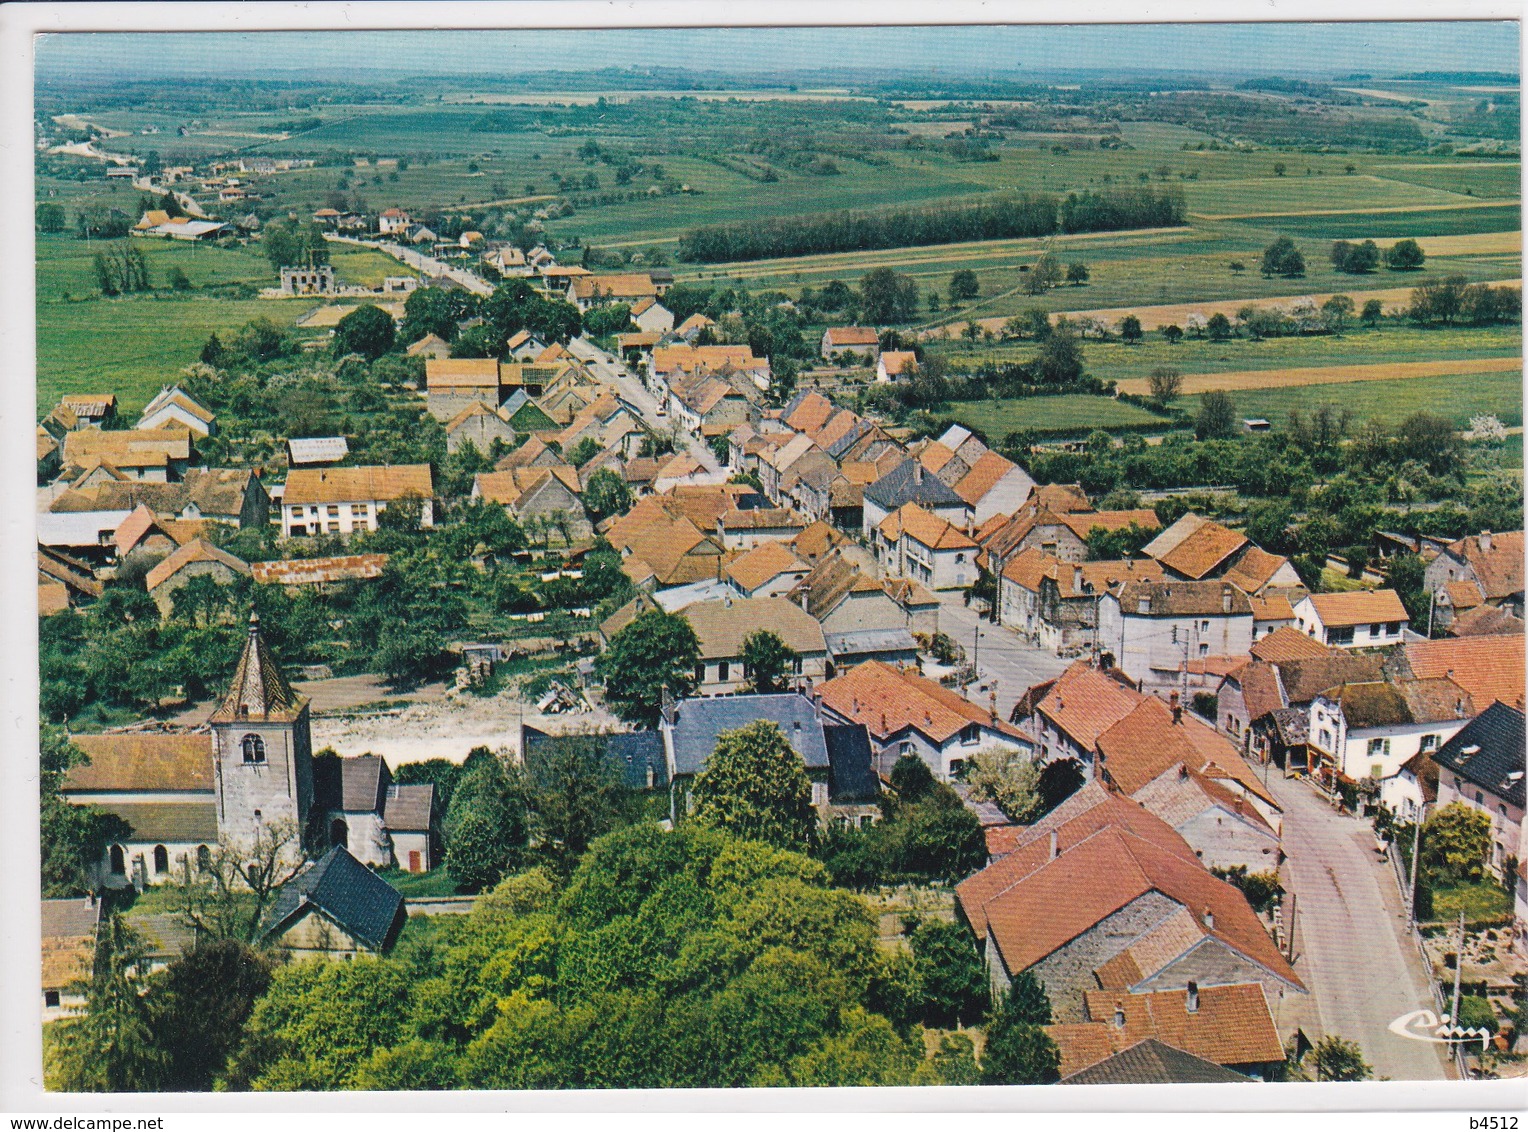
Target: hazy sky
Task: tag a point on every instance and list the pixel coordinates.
(1226, 48)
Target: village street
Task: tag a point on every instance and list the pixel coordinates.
(608, 368)
(1001, 657)
(425, 265)
(1351, 939)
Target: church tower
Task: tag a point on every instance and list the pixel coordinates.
(262, 749)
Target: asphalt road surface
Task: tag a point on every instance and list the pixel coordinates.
(1000, 655)
(1352, 948)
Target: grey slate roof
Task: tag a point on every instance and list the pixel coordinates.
(851, 774)
(362, 904)
(1152, 1062)
(698, 722)
(355, 783)
(408, 808)
(859, 642)
(901, 485)
(633, 752)
(1498, 733)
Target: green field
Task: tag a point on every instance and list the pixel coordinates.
(1458, 397)
(1114, 361)
(1073, 412)
(133, 346)
(1399, 225)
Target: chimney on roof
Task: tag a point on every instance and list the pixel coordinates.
(1177, 707)
(1225, 599)
(1209, 919)
(1193, 997)
(1119, 1016)
(917, 473)
(1485, 542)
(1077, 578)
(1055, 845)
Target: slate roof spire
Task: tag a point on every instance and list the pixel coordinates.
(258, 690)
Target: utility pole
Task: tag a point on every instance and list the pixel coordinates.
(1432, 601)
(1458, 968)
(1416, 852)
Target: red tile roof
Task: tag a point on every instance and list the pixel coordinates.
(1488, 668)
(887, 699)
(1357, 607)
(1084, 703)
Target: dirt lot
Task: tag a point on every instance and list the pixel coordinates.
(1328, 375)
(433, 724)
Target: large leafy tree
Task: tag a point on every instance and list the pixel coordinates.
(516, 306)
(605, 494)
(950, 974)
(768, 662)
(74, 838)
(198, 1006)
(435, 310)
(755, 785)
(657, 651)
(1018, 1051)
(111, 1047)
(887, 296)
(1456, 841)
(367, 330)
(486, 825)
(575, 792)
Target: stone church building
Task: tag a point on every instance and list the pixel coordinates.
(250, 767)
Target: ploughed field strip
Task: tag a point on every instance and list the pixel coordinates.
(1330, 375)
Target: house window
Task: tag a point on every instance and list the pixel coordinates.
(723, 671)
(905, 747)
(1378, 747)
(334, 527)
(1392, 627)
(1204, 648)
(254, 749)
(796, 666)
(203, 858)
(334, 510)
(1204, 626)
(161, 859)
(1339, 636)
(957, 768)
(1376, 630)
(50, 998)
(118, 861)
(1429, 742)
(1480, 799)
(970, 735)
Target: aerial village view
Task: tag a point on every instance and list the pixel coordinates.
(565, 564)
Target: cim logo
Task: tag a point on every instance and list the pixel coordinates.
(1425, 1026)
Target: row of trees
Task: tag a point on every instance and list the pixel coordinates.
(998, 219)
(683, 959)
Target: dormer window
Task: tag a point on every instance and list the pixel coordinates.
(254, 749)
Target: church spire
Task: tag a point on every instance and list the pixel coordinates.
(258, 691)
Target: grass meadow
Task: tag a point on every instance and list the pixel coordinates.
(1073, 412)
(1458, 397)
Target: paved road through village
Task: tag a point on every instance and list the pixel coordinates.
(1001, 656)
(1351, 936)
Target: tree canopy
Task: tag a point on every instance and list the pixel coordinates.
(656, 651)
(755, 785)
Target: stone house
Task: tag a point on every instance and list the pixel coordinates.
(1369, 730)
(1356, 619)
(173, 407)
(722, 627)
(1054, 604)
(196, 559)
(906, 483)
(342, 500)
(1482, 767)
(337, 908)
(1101, 894)
(918, 544)
(908, 714)
(1155, 629)
(479, 425)
(550, 494)
(1477, 570)
(861, 341)
(845, 788)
